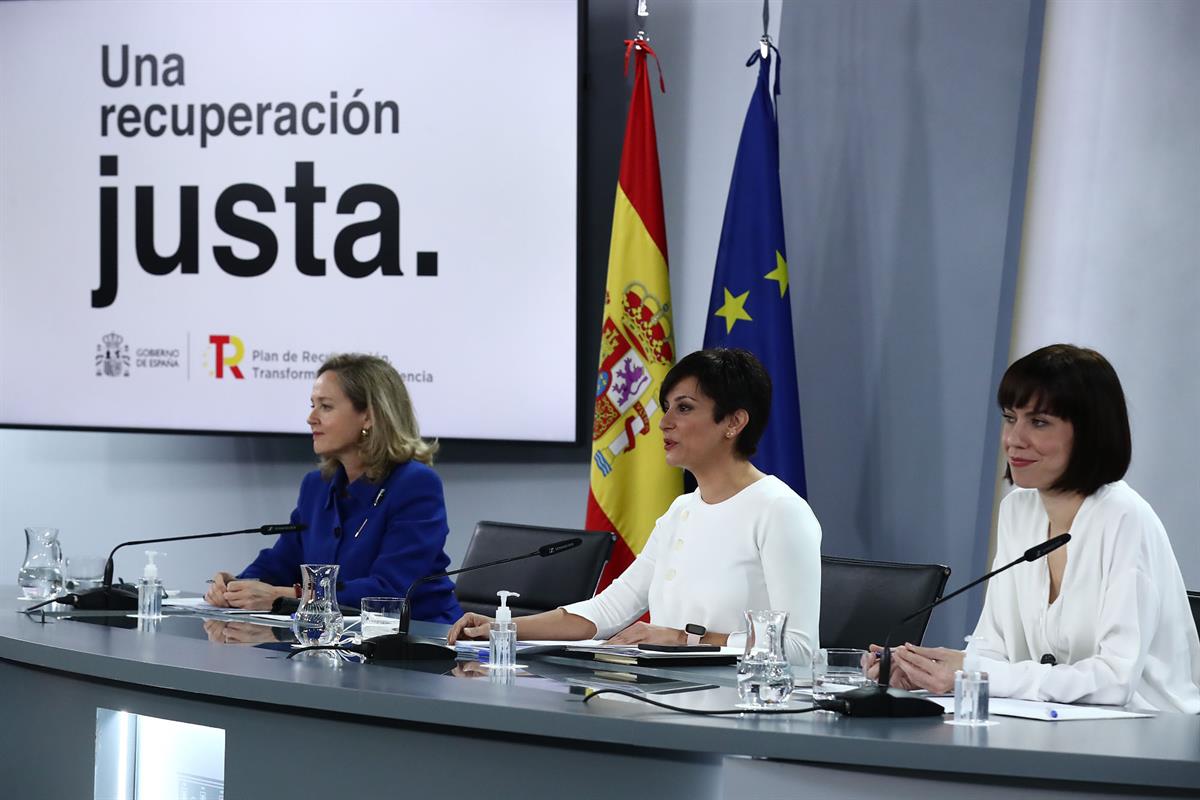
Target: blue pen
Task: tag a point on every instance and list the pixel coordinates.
(1052, 713)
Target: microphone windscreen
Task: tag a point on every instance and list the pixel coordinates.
(557, 547)
(267, 530)
(1046, 547)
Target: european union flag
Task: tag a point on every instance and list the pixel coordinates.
(750, 305)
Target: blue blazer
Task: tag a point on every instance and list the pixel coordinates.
(383, 536)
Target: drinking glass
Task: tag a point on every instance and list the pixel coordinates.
(381, 615)
(764, 676)
(837, 670)
(85, 572)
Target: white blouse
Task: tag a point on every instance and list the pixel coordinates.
(1120, 629)
(710, 563)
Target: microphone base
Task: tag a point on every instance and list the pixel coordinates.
(882, 701)
(406, 647)
(122, 597)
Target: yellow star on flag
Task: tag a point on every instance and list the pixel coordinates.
(779, 273)
(733, 310)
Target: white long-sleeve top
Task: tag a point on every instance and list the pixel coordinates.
(708, 564)
(1120, 629)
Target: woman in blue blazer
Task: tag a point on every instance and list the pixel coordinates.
(374, 507)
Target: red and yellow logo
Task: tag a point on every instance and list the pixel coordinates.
(228, 353)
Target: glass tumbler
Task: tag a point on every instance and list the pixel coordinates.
(381, 615)
(85, 572)
(837, 670)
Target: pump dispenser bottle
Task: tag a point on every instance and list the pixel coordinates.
(971, 687)
(150, 590)
(502, 640)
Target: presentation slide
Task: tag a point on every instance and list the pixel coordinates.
(201, 201)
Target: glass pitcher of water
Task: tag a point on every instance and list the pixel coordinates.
(318, 620)
(41, 574)
(764, 676)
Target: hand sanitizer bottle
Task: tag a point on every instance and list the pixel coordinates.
(150, 590)
(971, 688)
(502, 639)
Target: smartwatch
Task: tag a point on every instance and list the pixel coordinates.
(694, 632)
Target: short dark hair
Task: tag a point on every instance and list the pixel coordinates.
(1080, 386)
(734, 379)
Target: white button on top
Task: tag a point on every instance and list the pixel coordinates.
(684, 515)
(679, 544)
(670, 575)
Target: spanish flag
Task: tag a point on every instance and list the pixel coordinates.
(631, 484)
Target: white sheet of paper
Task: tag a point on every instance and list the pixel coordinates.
(525, 645)
(198, 604)
(1046, 712)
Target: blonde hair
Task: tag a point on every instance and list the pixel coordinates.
(373, 385)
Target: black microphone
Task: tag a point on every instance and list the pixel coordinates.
(881, 700)
(1045, 548)
(123, 597)
(403, 647)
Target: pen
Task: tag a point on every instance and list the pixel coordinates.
(231, 580)
(1051, 713)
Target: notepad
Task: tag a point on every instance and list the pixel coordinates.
(630, 655)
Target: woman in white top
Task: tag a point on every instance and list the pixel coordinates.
(743, 540)
(1105, 619)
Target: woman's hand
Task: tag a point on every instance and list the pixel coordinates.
(469, 626)
(871, 661)
(215, 596)
(645, 633)
(896, 676)
(254, 595)
(929, 668)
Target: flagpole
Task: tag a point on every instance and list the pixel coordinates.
(643, 12)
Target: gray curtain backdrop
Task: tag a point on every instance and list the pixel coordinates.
(905, 130)
(1111, 255)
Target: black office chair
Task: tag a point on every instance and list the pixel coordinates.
(1194, 602)
(543, 583)
(862, 600)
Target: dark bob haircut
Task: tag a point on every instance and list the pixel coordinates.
(1081, 387)
(733, 379)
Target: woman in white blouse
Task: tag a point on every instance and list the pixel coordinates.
(1104, 620)
(743, 540)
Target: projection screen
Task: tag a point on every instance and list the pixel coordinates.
(200, 201)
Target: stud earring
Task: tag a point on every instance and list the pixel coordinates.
(364, 433)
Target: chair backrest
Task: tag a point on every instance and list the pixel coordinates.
(862, 600)
(543, 583)
(1194, 602)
